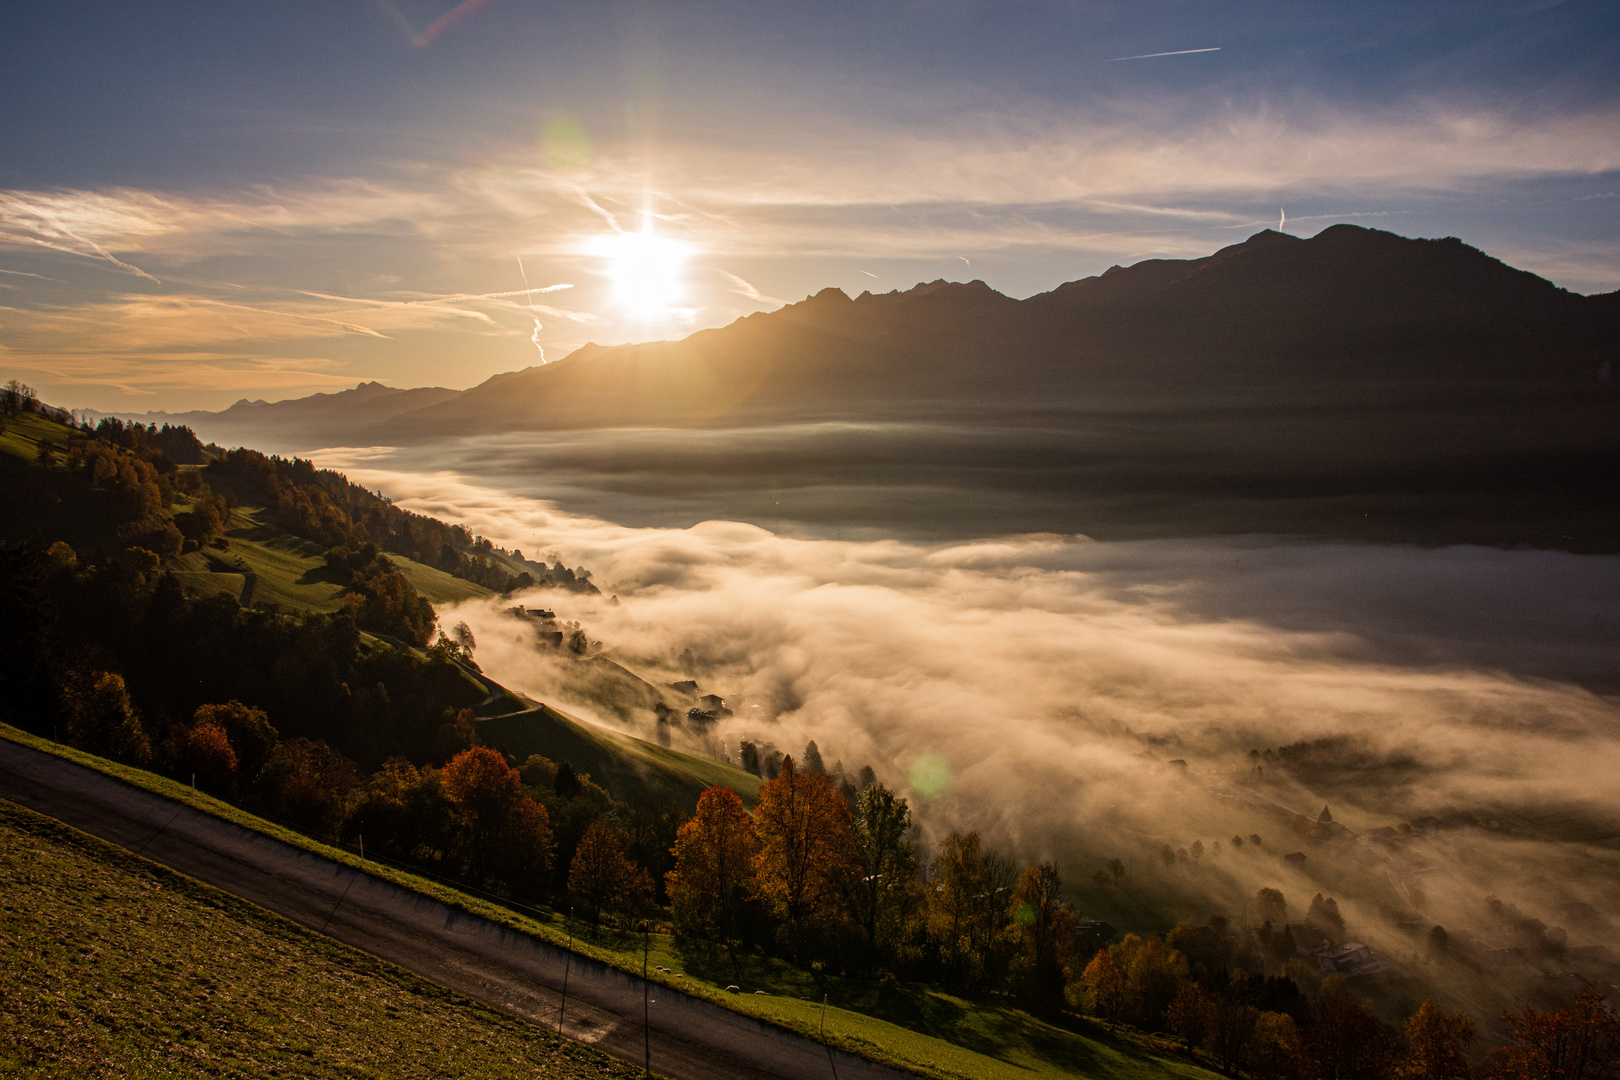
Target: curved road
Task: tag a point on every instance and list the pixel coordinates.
(691, 1039)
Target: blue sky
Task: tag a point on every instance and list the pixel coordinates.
(200, 202)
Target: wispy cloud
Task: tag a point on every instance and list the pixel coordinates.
(1152, 55)
(743, 288)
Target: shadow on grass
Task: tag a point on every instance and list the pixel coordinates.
(996, 1029)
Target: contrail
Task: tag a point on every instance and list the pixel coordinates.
(869, 273)
(440, 25)
(744, 288)
(1151, 55)
(453, 298)
(536, 336)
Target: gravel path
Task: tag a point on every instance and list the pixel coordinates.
(691, 1039)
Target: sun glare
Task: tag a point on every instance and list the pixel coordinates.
(645, 270)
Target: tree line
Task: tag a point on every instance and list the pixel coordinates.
(324, 506)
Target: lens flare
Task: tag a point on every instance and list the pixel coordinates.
(929, 777)
(645, 269)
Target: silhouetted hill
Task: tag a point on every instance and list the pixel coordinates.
(301, 423)
(1351, 315)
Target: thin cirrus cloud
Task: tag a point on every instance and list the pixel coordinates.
(1062, 196)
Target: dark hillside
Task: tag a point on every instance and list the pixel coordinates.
(1351, 315)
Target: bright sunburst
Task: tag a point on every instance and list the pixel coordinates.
(645, 269)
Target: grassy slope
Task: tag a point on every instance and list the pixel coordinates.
(911, 1026)
(34, 509)
(162, 975)
(627, 766)
(292, 571)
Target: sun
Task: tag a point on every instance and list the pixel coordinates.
(645, 269)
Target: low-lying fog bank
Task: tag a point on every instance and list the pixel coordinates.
(1112, 473)
(1087, 700)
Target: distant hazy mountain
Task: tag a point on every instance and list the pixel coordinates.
(302, 423)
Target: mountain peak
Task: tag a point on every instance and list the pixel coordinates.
(976, 288)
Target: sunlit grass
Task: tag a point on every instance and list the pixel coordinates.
(117, 966)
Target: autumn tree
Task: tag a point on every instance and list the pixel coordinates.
(649, 827)
(251, 734)
(968, 903)
(1104, 985)
(1044, 927)
(309, 784)
(204, 751)
(497, 817)
(880, 885)
(714, 866)
(805, 847)
(600, 875)
(386, 602)
(1278, 1050)
(404, 812)
(1437, 1045)
(1581, 1041)
(1152, 971)
(1343, 1039)
(1189, 1013)
(1230, 1037)
(101, 718)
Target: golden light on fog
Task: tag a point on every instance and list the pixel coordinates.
(645, 269)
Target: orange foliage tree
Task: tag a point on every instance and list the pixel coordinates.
(806, 845)
(249, 731)
(205, 752)
(602, 876)
(507, 834)
(1581, 1041)
(1437, 1045)
(1105, 986)
(714, 866)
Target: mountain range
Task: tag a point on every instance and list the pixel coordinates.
(1277, 368)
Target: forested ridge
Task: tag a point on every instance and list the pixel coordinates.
(311, 720)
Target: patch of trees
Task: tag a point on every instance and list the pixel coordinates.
(176, 443)
(381, 598)
(108, 651)
(325, 507)
(813, 879)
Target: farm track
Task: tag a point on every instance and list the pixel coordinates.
(691, 1039)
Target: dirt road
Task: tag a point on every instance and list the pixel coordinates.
(690, 1039)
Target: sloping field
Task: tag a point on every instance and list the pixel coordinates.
(292, 571)
(118, 966)
(910, 1026)
(628, 767)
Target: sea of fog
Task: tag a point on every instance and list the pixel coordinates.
(1080, 700)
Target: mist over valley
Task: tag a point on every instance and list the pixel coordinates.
(1089, 700)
